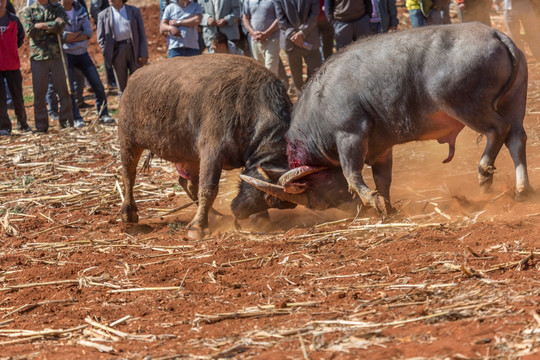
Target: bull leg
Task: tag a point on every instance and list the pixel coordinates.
(486, 168)
(515, 142)
(382, 174)
(210, 172)
(130, 155)
(352, 148)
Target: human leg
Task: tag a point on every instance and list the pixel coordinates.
(326, 32)
(361, 28)
(295, 64)
(86, 66)
(14, 81)
(40, 80)
(417, 18)
(121, 65)
(343, 33)
(5, 123)
(313, 60)
(271, 55)
(531, 27)
(58, 78)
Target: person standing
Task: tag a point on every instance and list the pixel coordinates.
(180, 21)
(474, 10)
(522, 12)
(11, 38)
(76, 36)
(220, 16)
(261, 22)
(349, 18)
(326, 32)
(383, 17)
(299, 36)
(423, 12)
(44, 21)
(122, 39)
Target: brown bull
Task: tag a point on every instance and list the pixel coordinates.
(205, 114)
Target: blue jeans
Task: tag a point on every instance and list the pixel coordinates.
(86, 66)
(417, 18)
(174, 52)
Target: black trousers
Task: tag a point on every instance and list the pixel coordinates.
(14, 81)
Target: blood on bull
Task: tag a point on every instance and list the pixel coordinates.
(419, 84)
(205, 114)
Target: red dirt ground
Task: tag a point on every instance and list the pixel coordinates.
(451, 276)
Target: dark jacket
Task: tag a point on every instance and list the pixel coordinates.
(105, 34)
(297, 15)
(347, 10)
(10, 41)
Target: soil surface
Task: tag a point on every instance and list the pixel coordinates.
(453, 275)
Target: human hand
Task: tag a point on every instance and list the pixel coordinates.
(298, 39)
(41, 26)
(174, 31)
(257, 35)
(221, 22)
(211, 21)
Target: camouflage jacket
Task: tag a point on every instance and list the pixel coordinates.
(44, 43)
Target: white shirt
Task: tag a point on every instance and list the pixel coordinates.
(122, 29)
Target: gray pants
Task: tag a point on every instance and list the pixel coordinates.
(124, 65)
(313, 61)
(40, 80)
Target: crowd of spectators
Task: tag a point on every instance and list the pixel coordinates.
(305, 31)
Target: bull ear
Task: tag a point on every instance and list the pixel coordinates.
(298, 173)
(277, 191)
(270, 173)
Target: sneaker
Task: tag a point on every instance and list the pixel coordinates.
(83, 105)
(79, 123)
(106, 119)
(54, 115)
(5, 132)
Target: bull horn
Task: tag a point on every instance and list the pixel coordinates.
(270, 173)
(298, 173)
(277, 191)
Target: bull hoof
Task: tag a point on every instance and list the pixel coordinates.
(129, 216)
(524, 194)
(382, 205)
(196, 233)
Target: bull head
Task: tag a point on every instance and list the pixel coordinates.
(317, 188)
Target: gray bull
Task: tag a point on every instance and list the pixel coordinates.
(205, 114)
(421, 84)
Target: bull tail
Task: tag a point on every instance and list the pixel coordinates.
(515, 58)
(146, 164)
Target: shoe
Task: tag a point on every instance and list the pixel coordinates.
(89, 89)
(5, 132)
(66, 123)
(43, 131)
(106, 119)
(79, 123)
(54, 115)
(83, 105)
(24, 128)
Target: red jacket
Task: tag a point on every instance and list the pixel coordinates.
(10, 41)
